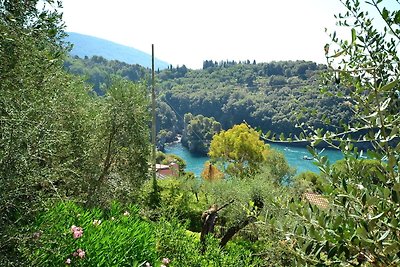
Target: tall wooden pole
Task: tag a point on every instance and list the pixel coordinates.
(153, 105)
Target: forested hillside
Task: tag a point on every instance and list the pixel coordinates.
(273, 96)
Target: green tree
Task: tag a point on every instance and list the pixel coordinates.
(198, 132)
(57, 139)
(32, 92)
(308, 182)
(123, 142)
(255, 200)
(278, 167)
(360, 227)
(240, 150)
(167, 123)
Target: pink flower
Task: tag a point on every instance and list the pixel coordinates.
(68, 261)
(76, 231)
(81, 253)
(73, 228)
(77, 234)
(165, 261)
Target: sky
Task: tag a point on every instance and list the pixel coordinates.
(187, 32)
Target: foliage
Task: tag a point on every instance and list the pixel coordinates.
(60, 140)
(240, 150)
(278, 167)
(179, 198)
(183, 248)
(118, 237)
(372, 168)
(57, 139)
(125, 147)
(308, 182)
(259, 200)
(198, 132)
(99, 71)
(272, 96)
(166, 123)
(361, 226)
(31, 108)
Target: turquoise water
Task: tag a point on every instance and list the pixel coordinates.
(194, 162)
(294, 156)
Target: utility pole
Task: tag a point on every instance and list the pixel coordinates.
(153, 125)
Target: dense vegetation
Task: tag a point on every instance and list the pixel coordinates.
(360, 225)
(74, 181)
(273, 96)
(58, 139)
(98, 71)
(198, 132)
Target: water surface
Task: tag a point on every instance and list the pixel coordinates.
(294, 155)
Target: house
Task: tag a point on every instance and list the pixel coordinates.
(171, 170)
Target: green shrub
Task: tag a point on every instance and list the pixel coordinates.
(184, 249)
(178, 197)
(308, 181)
(114, 238)
(261, 199)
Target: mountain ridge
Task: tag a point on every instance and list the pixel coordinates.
(86, 45)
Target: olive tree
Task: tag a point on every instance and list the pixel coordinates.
(360, 227)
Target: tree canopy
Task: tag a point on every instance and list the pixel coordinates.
(198, 132)
(274, 96)
(360, 225)
(59, 140)
(240, 150)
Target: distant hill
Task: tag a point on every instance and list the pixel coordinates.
(85, 45)
(273, 97)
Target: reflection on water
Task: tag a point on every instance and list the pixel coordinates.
(297, 157)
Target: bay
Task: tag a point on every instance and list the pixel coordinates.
(294, 155)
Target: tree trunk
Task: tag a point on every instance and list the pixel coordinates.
(234, 229)
(209, 218)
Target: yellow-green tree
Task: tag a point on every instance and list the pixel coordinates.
(239, 150)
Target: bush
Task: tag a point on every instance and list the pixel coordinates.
(114, 238)
(261, 198)
(183, 248)
(308, 181)
(178, 197)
